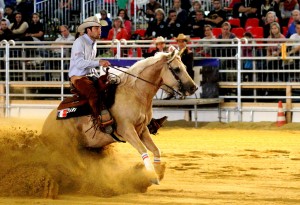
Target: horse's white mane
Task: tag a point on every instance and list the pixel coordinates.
(139, 66)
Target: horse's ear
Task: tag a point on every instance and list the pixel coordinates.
(173, 53)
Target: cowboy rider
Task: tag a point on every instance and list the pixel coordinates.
(82, 72)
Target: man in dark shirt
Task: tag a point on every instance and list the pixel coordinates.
(182, 14)
(197, 25)
(174, 25)
(150, 9)
(217, 16)
(5, 32)
(157, 27)
(253, 10)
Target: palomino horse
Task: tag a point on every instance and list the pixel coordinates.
(132, 110)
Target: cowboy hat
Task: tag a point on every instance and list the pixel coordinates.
(181, 36)
(91, 21)
(159, 39)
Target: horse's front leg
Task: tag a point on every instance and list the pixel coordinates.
(150, 145)
(130, 135)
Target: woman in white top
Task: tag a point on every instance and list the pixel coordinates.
(18, 27)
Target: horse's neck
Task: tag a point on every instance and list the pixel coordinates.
(148, 87)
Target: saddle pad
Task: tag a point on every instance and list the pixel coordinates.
(70, 112)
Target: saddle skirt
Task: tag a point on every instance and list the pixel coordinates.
(77, 106)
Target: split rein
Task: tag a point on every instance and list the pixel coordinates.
(153, 84)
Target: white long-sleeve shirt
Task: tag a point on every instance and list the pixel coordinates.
(83, 56)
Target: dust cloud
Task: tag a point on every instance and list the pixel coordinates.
(47, 165)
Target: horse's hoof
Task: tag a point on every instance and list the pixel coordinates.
(155, 181)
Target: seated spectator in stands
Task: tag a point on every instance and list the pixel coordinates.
(292, 26)
(269, 5)
(35, 31)
(118, 31)
(26, 8)
(9, 13)
(174, 25)
(2, 17)
(208, 34)
(226, 34)
(105, 29)
(248, 52)
(5, 32)
(150, 9)
(126, 21)
(192, 14)
(286, 10)
(18, 27)
(186, 5)
(197, 25)
(217, 16)
(182, 14)
(232, 3)
(157, 27)
(160, 46)
(270, 18)
(274, 51)
(65, 36)
(253, 10)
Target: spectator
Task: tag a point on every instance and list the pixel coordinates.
(25, 7)
(192, 14)
(182, 14)
(105, 29)
(118, 31)
(248, 52)
(160, 46)
(35, 31)
(2, 17)
(174, 25)
(294, 51)
(150, 9)
(292, 26)
(269, 5)
(232, 3)
(286, 10)
(186, 5)
(126, 21)
(226, 34)
(270, 18)
(65, 36)
(217, 16)
(274, 51)
(208, 35)
(157, 27)
(18, 27)
(9, 13)
(243, 12)
(187, 56)
(197, 25)
(5, 32)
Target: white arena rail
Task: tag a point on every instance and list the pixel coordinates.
(31, 76)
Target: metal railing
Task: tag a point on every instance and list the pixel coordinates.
(38, 70)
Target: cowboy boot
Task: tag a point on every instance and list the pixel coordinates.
(105, 121)
(155, 124)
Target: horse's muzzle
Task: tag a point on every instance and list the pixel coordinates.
(189, 90)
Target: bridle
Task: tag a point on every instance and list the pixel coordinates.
(158, 86)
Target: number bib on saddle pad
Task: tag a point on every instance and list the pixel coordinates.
(73, 107)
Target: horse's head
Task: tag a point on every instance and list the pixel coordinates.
(176, 76)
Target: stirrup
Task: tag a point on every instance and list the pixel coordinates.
(105, 122)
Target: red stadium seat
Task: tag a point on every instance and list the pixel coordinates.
(238, 32)
(141, 32)
(216, 31)
(235, 22)
(257, 32)
(252, 22)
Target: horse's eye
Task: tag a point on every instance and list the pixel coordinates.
(176, 70)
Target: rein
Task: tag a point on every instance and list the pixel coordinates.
(142, 79)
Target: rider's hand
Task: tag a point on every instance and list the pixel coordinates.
(104, 63)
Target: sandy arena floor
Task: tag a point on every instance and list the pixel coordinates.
(235, 163)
